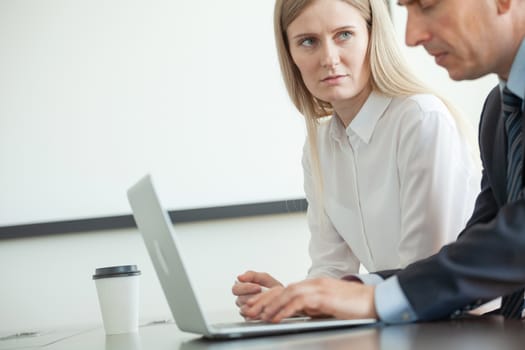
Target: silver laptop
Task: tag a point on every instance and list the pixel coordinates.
(164, 249)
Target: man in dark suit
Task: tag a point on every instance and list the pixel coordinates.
(470, 38)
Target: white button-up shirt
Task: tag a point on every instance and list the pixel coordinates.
(399, 183)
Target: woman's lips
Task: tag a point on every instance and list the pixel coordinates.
(334, 79)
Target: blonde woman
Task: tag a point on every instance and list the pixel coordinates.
(389, 171)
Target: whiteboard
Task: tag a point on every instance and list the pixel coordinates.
(94, 94)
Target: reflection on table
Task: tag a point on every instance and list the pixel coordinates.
(479, 334)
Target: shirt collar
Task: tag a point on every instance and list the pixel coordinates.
(365, 122)
(516, 82)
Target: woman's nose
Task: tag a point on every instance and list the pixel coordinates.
(330, 56)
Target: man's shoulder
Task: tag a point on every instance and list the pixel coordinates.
(493, 98)
(491, 110)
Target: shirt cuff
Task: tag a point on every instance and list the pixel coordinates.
(371, 279)
(392, 306)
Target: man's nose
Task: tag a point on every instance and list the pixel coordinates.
(416, 32)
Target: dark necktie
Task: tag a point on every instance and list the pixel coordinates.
(512, 304)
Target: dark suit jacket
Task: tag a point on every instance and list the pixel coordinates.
(488, 259)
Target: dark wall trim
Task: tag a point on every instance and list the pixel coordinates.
(127, 221)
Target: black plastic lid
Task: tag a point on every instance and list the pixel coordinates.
(116, 271)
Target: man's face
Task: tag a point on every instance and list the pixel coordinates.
(461, 35)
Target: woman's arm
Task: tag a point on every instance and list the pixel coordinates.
(330, 254)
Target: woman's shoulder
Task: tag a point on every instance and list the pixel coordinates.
(325, 128)
(420, 107)
(422, 102)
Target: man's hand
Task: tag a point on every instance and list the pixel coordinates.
(315, 297)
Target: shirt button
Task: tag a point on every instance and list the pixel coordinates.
(405, 316)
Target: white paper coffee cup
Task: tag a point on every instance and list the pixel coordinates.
(118, 297)
(128, 341)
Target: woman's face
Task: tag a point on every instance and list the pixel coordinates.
(328, 43)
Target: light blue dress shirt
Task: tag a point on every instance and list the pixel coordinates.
(516, 82)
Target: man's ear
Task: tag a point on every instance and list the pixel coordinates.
(503, 6)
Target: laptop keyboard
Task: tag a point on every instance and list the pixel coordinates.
(257, 322)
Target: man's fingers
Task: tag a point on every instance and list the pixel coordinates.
(276, 305)
(255, 305)
(288, 310)
(252, 312)
(241, 300)
(295, 298)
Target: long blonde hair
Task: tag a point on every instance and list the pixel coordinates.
(390, 74)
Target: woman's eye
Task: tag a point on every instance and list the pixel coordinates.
(345, 35)
(308, 42)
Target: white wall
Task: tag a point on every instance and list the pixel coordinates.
(46, 282)
(94, 94)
